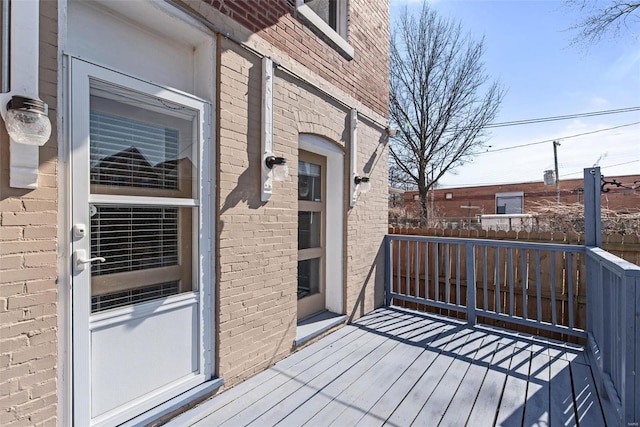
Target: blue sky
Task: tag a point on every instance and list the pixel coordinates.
(528, 49)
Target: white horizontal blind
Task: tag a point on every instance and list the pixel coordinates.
(134, 238)
(132, 296)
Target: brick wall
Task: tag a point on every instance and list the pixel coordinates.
(367, 224)
(366, 76)
(257, 251)
(257, 241)
(617, 199)
(28, 267)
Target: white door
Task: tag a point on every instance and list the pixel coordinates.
(138, 243)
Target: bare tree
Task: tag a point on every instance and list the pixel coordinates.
(440, 100)
(603, 18)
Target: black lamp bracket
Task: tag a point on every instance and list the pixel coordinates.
(358, 179)
(271, 161)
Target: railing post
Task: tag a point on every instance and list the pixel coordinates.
(471, 283)
(592, 226)
(631, 295)
(388, 269)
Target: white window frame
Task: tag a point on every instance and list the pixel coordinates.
(339, 37)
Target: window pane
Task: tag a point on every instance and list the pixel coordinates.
(143, 247)
(309, 182)
(132, 296)
(141, 142)
(308, 277)
(325, 9)
(309, 228)
(133, 238)
(509, 205)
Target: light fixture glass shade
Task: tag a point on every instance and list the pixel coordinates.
(280, 172)
(365, 186)
(26, 122)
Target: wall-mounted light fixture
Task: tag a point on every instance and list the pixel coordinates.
(363, 183)
(27, 120)
(391, 132)
(24, 114)
(278, 166)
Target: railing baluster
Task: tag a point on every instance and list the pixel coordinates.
(511, 295)
(484, 278)
(407, 275)
(398, 266)
(388, 262)
(538, 287)
(436, 271)
(447, 274)
(426, 270)
(554, 317)
(471, 283)
(416, 269)
(496, 278)
(570, 286)
(525, 280)
(457, 273)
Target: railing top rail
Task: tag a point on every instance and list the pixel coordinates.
(613, 262)
(491, 242)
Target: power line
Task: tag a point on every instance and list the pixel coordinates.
(477, 184)
(565, 117)
(607, 166)
(554, 139)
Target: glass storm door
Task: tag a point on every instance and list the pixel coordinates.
(311, 233)
(136, 222)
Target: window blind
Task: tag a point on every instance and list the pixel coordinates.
(134, 238)
(131, 296)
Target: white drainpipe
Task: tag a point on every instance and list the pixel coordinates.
(24, 66)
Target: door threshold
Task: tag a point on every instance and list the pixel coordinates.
(315, 325)
(174, 405)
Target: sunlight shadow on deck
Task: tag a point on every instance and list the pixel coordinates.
(398, 367)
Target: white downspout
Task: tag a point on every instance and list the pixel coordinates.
(24, 66)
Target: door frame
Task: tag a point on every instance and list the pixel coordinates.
(315, 303)
(80, 350)
(335, 221)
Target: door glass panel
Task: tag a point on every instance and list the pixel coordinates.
(308, 277)
(140, 145)
(309, 229)
(145, 148)
(147, 251)
(309, 182)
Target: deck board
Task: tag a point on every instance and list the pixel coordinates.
(487, 401)
(397, 367)
(461, 404)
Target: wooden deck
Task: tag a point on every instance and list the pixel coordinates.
(397, 367)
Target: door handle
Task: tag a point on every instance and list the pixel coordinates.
(79, 260)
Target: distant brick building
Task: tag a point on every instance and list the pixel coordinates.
(465, 202)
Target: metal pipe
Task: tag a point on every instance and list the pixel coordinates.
(6, 31)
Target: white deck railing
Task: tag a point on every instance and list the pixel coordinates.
(536, 285)
(613, 326)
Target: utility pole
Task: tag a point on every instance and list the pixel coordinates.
(555, 160)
